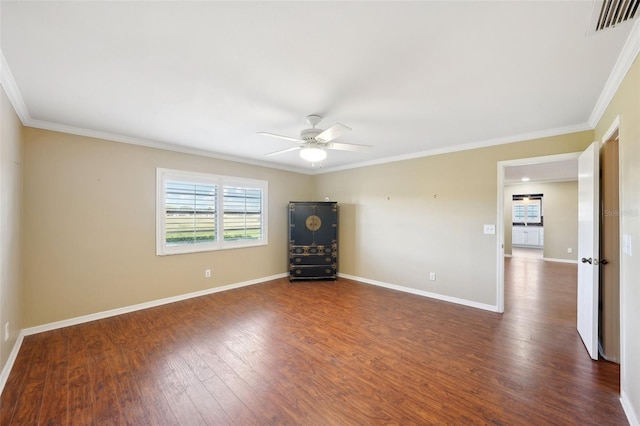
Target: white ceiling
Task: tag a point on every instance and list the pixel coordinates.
(408, 77)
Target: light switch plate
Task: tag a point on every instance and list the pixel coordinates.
(626, 244)
(489, 229)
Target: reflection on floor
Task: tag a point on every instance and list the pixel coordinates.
(531, 253)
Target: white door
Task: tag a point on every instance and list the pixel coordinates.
(588, 246)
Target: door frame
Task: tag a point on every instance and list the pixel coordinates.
(615, 127)
(502, 165)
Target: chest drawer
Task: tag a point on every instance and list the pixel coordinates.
(312, 272)
(312, 260)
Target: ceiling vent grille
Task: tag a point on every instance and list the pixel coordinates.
(614, 12)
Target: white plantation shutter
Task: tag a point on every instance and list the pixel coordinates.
(242, 213)
(202, 212)
(533, 211)
(190, 213)
(518, 212)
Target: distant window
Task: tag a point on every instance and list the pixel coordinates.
(202, 212)
(519, 212)
(527, 209)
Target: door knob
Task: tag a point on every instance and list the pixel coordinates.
(585, 260)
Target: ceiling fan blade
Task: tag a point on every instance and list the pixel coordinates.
(348, 147)
(289, 138)
(333, 132)
(282, 151)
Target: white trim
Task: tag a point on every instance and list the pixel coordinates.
(186, 150)
(500, 232)
(113, 137)
(13, 93)
(132, 308)
(614, 127)
(430, 295)
(10, 361)
(553, 259)
(627, 406)
(220, 183)
(465, 147)
(626, 58)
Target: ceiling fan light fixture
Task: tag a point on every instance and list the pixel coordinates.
(313, 154)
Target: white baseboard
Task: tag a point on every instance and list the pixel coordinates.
(437, 296)
(628, 409)
(551, 259)
(10, 361)
(4, 375)
(140, 306)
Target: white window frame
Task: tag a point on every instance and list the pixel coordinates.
(526, 204)
(170, 175)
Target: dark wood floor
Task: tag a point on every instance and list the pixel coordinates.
(323, 353)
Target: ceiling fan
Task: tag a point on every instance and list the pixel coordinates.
(313, 142)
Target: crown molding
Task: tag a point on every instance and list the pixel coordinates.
(113, 137)
(17, 101)
(12, 91)
(626, 58)
(465, 147)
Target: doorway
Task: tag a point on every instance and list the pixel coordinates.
(610, 135)
(543, 166)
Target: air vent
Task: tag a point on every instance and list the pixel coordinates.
(614, 12)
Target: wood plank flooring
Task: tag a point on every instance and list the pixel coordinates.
(323, 353)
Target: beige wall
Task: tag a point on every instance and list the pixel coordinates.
(90, 227)
(11, 165)
(626, 105)
(560, 208)
(400, 221)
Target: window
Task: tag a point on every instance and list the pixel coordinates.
(201, 212)
(527, 209)
(518, 212)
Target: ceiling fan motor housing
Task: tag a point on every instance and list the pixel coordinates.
(309, 135)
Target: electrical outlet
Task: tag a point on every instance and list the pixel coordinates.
(207, 273)
(6, 331)
(569, 250)
(432, 276)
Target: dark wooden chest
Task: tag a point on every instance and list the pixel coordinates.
(313, 240)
